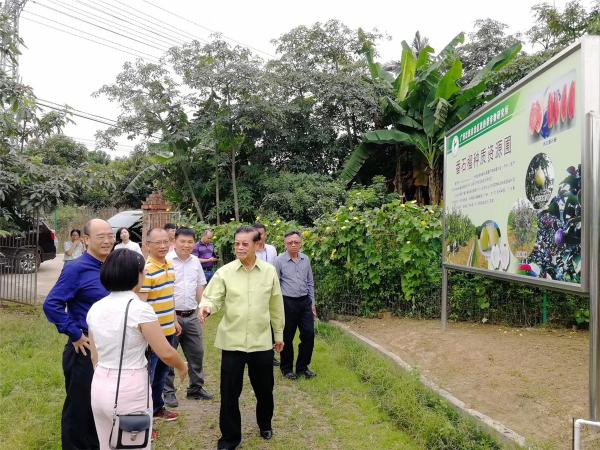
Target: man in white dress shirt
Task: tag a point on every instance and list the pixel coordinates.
(264, 251)
(189, 285)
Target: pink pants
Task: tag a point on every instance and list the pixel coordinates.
(132, 397)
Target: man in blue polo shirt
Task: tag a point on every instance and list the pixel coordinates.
(66, 306)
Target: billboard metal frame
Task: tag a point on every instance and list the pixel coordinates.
(589, 46)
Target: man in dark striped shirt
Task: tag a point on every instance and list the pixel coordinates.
(298, 288)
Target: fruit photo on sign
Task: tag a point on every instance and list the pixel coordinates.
(539, 180)
(522, 228)
(488, 245)
(558, 249)
(552, 110)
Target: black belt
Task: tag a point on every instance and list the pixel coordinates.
(185, 313)
(304, 297)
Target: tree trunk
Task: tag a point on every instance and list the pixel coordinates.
(348, 130)
(398, 174)
(191, 190)
(435, 186)
(236, 207)
(217, 195)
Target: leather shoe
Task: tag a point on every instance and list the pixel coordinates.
(171, 401)
(306, 374)
(200, 395)
(290, 376)
(266, 434)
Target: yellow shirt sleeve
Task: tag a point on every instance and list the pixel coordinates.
(276, 310)
(214, 294)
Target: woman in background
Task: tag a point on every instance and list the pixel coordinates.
(74, 248)
(123, 241)
(122, 274)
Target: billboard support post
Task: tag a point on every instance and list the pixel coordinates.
(594, 275)
(444, 298)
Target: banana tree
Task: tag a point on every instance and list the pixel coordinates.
(421, 103)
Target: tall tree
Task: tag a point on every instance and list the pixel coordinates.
(555, 29)
(488, 39)
(152, 108)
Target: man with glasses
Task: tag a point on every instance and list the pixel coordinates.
(204, 250)
(157, 290)
(298, 288)
(66, 306)
(248, 291)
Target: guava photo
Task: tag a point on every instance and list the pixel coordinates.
(553, 110)
(539, 180)
(522, 228)
(488, 237)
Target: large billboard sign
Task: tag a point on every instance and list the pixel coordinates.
(515, 191)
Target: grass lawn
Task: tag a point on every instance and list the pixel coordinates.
(358, 401)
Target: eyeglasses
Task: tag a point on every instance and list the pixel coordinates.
(103, 237)
(159, 242)
(293, 243)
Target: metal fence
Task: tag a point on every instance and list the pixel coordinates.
(20, 257)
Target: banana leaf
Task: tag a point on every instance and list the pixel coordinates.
(140, 179)
(408, 66)
(448, 85)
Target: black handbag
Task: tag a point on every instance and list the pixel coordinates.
(131, 430)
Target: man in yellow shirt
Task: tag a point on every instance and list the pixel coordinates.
(248, 291)
(157, 290)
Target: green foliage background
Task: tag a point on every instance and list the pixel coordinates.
(376, 254)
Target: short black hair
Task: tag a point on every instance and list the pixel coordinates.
(121, 270)
(258, 225)
(185, 232)
(246, 229)
(75, 230)
(170, 226)
(291, 233)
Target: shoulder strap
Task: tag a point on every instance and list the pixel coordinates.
(121, 357)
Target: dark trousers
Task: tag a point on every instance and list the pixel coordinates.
(158, 372)
(208, 274)
(298, 315)
(193, 348)
(260, 372)
(78, 431)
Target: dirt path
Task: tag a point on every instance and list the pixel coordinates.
(532, 380)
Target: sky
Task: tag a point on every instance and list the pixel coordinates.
(66, 69)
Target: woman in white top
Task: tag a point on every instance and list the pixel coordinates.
(122, 274)
(73, 248)
(123, 241)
